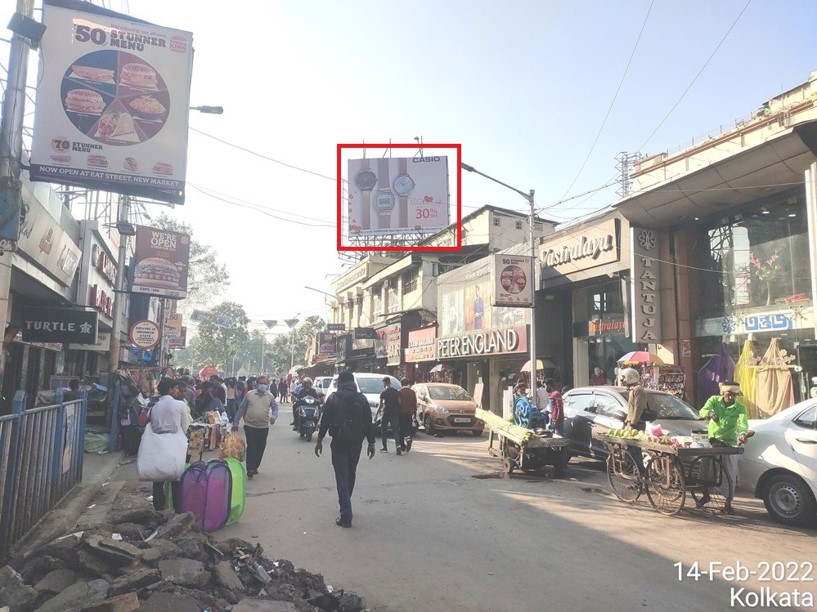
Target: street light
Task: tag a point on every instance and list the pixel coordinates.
(209, 110)
(292, 323)
(319, 291)
(529, 197)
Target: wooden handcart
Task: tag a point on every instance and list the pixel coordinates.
(669, 473)
(524, 449)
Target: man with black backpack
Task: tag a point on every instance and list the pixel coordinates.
(348, 419)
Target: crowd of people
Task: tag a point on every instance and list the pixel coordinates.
(179, 400)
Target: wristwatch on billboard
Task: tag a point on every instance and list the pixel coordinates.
(365, 180)
(383, 197)
(403, 186)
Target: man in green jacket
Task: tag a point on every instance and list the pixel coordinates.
(728, 424)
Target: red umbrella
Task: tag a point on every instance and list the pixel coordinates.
(207, 371)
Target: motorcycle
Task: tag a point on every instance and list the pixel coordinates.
(308, 413)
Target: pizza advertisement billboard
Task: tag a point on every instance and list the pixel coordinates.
(400, 194)
(112, 103)
(162, 258)
(513, 285)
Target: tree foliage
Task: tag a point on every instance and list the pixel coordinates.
(206, 278)
(222, 335)
(292, 346)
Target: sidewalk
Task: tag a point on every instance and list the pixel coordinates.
(97, 471)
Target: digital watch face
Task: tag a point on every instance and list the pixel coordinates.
(366, 180)
(403, 184)
(384, 201)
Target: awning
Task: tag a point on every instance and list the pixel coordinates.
(774, 166)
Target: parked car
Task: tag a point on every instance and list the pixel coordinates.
(322, 384)
(602, 408)
(443, 407)
(370, 385)
(779, 463)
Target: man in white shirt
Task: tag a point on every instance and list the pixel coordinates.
(541, 396)
(169, 416)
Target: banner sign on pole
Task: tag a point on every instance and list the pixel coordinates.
(162, 259)
(113, 101)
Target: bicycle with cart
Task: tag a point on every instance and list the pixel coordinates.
(668, 472)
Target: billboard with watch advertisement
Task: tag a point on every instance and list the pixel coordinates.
(113, 99)
(388, 195)
(162, 259)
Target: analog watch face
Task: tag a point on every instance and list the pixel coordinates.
(403, 184)
(366, 180)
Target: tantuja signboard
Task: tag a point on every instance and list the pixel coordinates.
(60, 325)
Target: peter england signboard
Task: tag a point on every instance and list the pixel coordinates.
(483, 343)
(60, 325)
(645, 298)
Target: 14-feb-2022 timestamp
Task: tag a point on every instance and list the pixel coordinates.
(778, 583)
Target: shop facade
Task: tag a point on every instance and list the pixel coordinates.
(585, 285)
(736, 220)
(477, 341)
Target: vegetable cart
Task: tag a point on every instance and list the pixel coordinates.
(521, 448)
(669, 474)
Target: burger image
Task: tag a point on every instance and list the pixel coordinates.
(138, 75)
(131, 165)
(513, 279)
(97, 161)
(84, 101)
(90, 73)
(61, 159)
(156, 272)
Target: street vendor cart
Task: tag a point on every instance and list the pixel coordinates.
(669, 473)
(529, 450)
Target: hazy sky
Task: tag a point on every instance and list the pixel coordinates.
(524, 85)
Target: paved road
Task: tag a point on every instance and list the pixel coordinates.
(439, 529)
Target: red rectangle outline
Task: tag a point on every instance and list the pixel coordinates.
(458, 147)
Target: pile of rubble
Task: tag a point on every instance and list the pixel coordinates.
(140, 559)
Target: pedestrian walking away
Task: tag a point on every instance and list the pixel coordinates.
(408, 414)
(259, 410)
(390, 415)
(348, 419)
(728, 426)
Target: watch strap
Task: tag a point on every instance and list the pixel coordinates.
(404, 212)
(383, 181)
(365, 210)
(402, 165)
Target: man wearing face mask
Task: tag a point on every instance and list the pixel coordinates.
(259, 410)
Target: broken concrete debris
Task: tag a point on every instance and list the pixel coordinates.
(179, 568)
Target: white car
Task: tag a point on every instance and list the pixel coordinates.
(779, 463)
(371, 385)
(322, 383)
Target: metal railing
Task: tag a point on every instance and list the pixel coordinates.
(42, 455)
